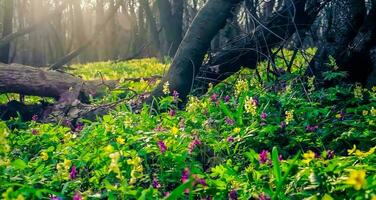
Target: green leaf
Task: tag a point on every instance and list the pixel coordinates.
(19, 164)
(276, 167)
(179, 191)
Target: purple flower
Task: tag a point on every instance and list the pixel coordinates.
(73, 173)
(79, 127)
(264, 197)
(35, 118)
(230, 139)
(35, 132)
(159, 128)
(172, 112)
(185, 175)
(255, 101)
(67, 122)
(280, 157)
(214, 97)
(193, 144)
(310, 128)
(330, 154)
(263, 156)
(262, 124)
(162, 146)
(155, 183)
(264, 115)
(227, 98)
(77, 196)
(282, 125)
(55, 198)
(202, 182)
(229, 121)
(175, 94)
(233, 195)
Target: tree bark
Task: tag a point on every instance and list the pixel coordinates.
(7, 29)
(188, 59)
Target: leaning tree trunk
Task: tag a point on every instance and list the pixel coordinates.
(188, 59)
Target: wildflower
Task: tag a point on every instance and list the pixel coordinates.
(56, 198)
(67, 164)
(311, 84)
(174, 130)
(373, 112)
(329, 154)
(35, 118)
(73, 173)
(120, 140)
(309, 156)
(202, 182)
(340, 115)
(175, 94)
(20, 197)
(227, 98)
(263, 156)
(44, 155)
(193, 104)
(280, 157)
(237, 130)
(263, 115)
(264, 197)
(35, 132)
(241, 86)
(77, 196)
(193, 144)
(155, 183)
(109, 149)
(230, 139)
(282, 125)
(137, 169)
(185, 175)
(162, 146)
(311, 128)
(250, 105)
(166, 88)
(229, 121)
(171, 112)
(360, 153)
(233, 195)
(365, 112)
(289, 116)
(79, 127)
(214, 97)
(357, 179)
(358, 92)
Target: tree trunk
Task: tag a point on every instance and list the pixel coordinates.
(188, 59)
(7, 29)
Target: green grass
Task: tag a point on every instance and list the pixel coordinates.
(212, 149)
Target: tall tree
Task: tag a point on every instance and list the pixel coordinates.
(7, 29)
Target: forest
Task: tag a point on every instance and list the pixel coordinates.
(188, 99)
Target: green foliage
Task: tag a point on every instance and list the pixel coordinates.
(286, 140)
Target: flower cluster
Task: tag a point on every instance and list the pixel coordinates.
(358, 92)
(166, 88)
(289, 116)
(311, 84)
(114, 165)
(193, 144)
(241, 86)
(137, 169)
(250, 106)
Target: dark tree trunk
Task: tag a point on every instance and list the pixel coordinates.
(7, 29)
(188, 59)
(153, 30)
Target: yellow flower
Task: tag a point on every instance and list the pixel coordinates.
(373, 112)
(250, 106)
(44, 155)
(351, 151)
(374, 89)
(174, 130)
(20, 197)
(237, 130)
(241, 86)
(289, 116)
(357, 179)
(109, 149)
(365, 154)
(166, 88)
(338, 116)
(193, 104)
(358, 92)
(373, 197)
(365, 112)
(308, 156)
(120, 140)
(67, 164)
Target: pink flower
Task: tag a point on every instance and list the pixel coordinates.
(280, 157)
(175, 94)
(263, 156)
(282, 125)
(162, 146)
(227, 98)
(311, 128)
(264, 115)
(193, 144)
(155, 183)
(35, 118)
(230, 139)
(73, 173)
(214, 97)
(229, 121)
(171, 112)
(35, 132)
(330, 154)
(264, 197)
(77, 196)
(79, 127)
(185, 175)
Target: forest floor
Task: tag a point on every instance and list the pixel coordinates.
(248, 138)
